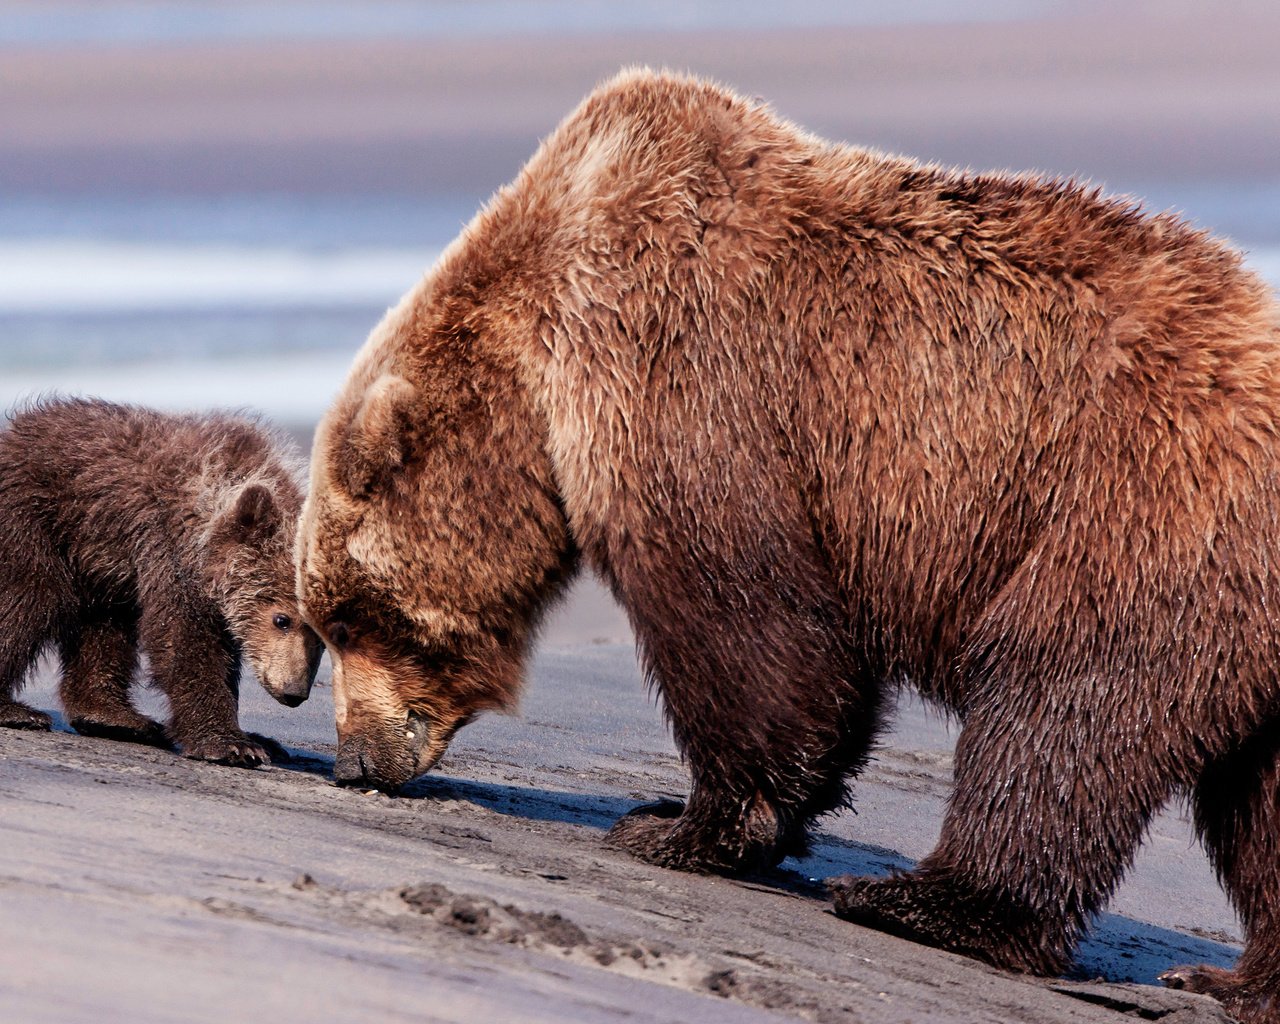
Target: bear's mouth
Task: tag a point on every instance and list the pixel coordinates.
(417, 730)
(428, 738)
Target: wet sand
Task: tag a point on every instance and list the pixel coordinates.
(136, 886)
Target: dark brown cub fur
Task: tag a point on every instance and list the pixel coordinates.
(125, 530)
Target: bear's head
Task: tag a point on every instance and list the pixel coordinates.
(250, 557)
(431, 537)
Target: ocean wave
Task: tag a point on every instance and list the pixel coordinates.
(58, 277)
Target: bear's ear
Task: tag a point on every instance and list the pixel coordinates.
(250, 518)
(379, 436)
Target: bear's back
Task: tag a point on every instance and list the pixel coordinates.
(114, 486)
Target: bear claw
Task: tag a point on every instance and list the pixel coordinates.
(667, 834)
(1186, 979)
(235, 751)
(1201, 979)
(276, 753)
(1246, 998)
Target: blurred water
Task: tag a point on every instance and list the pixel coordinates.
(81, 23)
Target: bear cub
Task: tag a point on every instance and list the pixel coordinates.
(125, 530)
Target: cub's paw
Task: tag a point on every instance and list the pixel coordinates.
(236, 750)
(275, 751)
(133, 729)
(19, 716)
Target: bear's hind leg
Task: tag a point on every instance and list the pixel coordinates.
(34, 596)
(99, 659)
(1049, 807)
(1237, 811)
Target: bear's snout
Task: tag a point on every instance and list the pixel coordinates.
(292, 692)
(295, 690)
(350, 767)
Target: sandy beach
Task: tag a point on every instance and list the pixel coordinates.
(136, 886)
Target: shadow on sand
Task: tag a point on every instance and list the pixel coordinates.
(516, 801)
(1116, 948)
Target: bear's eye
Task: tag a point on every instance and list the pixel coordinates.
(281, 621)
(339, 635)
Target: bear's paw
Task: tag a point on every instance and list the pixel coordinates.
(237, 750)
(14, 715)
(1247, 1000)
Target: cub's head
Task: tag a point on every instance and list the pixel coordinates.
(430, 539)
(250, 552)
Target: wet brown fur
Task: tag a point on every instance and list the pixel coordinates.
(126, 530)
(829, 420)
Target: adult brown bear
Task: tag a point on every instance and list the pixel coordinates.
(829, 420)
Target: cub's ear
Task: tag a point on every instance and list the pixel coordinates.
(377, 442)
(251, 517)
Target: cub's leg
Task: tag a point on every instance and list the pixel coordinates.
(99, 659)
(35, 597)
(1237, 809)
(769, 699)
(195, 661)
(1050, 803)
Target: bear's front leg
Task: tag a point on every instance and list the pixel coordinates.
(208, 730)
(770, 699)
(196, 663)
(939, 908)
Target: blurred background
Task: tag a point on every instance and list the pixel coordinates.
(211, 203)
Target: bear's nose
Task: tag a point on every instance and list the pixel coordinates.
(296, 689)
(349, 768)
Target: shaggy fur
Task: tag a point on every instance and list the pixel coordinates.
(123, 529)
(829, 420)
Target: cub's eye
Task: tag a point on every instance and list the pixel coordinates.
(281, 621)
(339, 635)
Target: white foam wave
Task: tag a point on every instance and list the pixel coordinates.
(292, 389)
(108, 277)
(73, 276)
